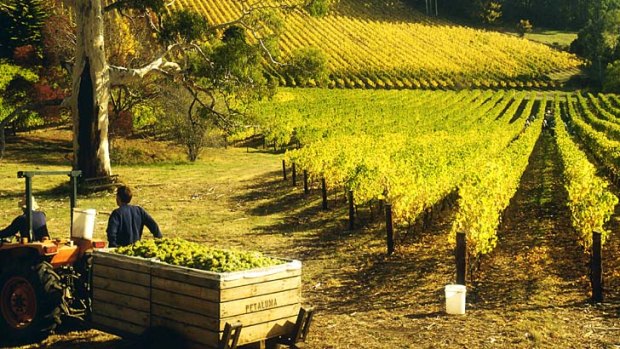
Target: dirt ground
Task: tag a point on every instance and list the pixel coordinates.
(532, 291)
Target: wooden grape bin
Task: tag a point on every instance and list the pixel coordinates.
(132, 294)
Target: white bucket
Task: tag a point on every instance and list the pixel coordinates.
(83, 223)
(455, 299)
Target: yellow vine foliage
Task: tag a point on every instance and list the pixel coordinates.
(372, 45)
(412, 149)
(590, 201)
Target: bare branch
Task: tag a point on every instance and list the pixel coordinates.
(264, 48)
(117, 5)
(123, 76)
(66, 103)
(222, 120)
(150, 23)
(201, 52)
(67, 66)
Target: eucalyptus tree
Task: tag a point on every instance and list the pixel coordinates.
(182, 56)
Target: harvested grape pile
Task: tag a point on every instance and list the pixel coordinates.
(193, 255)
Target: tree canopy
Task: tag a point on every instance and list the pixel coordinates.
(22, 22)
(562, 14)
(598, 41)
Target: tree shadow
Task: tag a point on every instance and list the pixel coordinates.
(41, 195)
(411, 279)
(381, 11)
(29, 149)
(359, 275)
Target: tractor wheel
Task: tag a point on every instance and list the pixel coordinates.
(30, 298)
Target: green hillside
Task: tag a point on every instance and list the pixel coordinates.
(374, 44)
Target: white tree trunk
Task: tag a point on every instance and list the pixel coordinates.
(90, 93)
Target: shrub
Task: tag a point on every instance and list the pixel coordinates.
(318, 8)
(306, 64)
(612, 78)
(524, 26)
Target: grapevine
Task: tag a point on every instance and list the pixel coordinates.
(590, 202)
(411, 149)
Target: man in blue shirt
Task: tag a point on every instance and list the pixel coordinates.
(127, 221)
(20, 223)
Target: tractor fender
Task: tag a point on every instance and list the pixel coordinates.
(11, 257)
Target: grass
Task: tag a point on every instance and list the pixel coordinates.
(188, 200)
(560, 39)
(552, 37)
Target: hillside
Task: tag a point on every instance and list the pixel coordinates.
(374, 44)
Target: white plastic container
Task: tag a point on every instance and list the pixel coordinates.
(83, 223)
(455, 299)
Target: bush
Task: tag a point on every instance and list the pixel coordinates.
(318, 8)
(143, 152)
(491, 12)
(524, 26)
(306, 64)
(612, 78)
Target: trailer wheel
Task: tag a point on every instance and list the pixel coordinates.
(30, 298)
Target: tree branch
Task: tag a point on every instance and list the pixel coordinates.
(123, 76)
(264, 48)
(220, 118)
(117, 5)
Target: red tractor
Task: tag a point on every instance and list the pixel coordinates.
(43, 281)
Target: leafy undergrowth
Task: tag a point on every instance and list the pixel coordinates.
(531, 292)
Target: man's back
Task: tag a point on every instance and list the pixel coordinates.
(126, 224)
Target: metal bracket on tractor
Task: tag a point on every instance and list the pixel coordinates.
(28, 175)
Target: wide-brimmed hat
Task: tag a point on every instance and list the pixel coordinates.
(22, 204)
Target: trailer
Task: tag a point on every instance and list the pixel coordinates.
(133, 295)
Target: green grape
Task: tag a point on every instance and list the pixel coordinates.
(180, 252)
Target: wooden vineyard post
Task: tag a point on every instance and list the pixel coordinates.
(596, 267)
(461, 260)
(324, 192)
(294, 174)
(284, 169)
(351, 211)
(306, 182)
(389, 229)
